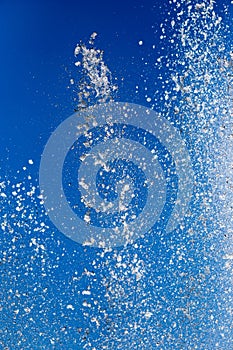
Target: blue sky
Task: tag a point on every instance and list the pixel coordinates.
(37, 44)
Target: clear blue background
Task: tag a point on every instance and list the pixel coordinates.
(37, 40)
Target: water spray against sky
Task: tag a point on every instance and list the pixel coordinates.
(157, 288)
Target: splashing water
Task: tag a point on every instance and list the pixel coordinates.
(96, 84)
(159, 292)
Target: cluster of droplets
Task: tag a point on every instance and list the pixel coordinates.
(40, 282)
(95, 85)
(198, 100)
(23, 256)
(124, 310)
(197, 90)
